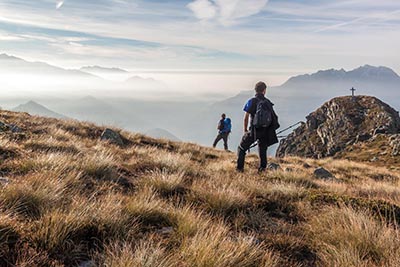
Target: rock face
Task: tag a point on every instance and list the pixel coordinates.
(340, 123)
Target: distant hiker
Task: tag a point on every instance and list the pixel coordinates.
(263, 125)
(224, 129)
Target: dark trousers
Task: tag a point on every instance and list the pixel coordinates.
(247, 140)
(223, 136)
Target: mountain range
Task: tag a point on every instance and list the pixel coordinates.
(100, 69)
(14, 65)
(195, 120)
(22, 76)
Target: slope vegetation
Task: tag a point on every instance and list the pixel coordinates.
(69, 199)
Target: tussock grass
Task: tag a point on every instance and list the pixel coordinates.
(146, 253)
(9, 236)
(344, 237)
(167, 184)
(222, 199)
(148, 208)
(72, 198)
(214, 247)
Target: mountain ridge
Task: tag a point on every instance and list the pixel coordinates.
(366, 72)
(17, 65)
(34, 108)
(100, 69)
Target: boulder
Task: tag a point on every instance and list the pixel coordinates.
(4, 181)
(322, 173)
(9, 127)
(166, 230)
(273, 166)
(112, 137)
(3, 126)
(14, 128)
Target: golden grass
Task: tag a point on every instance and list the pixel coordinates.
(72, 198)
(344, 237)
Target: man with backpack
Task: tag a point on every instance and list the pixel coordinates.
(263, 125)
(224, 129)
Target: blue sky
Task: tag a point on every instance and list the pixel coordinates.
(275, 36)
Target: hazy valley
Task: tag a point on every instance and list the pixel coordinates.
(188, 117)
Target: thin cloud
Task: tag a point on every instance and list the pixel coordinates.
(226, 11)
(368, 19)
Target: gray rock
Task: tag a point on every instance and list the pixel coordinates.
(3, 126)
(4, 181)
(166, 230)
(14, 128)
(374, 159)
(273, 166)
(112, 137)
(323, 173)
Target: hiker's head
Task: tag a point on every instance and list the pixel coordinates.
(223, 115)
(261, 88)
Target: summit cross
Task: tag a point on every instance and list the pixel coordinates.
(352, 91)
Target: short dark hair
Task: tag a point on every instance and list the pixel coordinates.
(260, 87)
(223, 115)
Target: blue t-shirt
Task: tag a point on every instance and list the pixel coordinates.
(251, 106)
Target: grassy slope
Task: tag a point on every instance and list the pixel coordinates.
(73, 198)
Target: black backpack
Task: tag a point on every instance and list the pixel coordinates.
(263, 116)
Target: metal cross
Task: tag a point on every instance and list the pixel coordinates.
(352, 91)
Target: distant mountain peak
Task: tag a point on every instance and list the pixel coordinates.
(35, 108)
(362, 73)
(100, 69)
(7, 56)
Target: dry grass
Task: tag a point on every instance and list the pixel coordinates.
(344, 237)
(72, 198)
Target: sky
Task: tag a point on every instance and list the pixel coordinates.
(258, 38)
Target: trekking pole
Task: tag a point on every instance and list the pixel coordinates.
(288, 128)
(278, 133)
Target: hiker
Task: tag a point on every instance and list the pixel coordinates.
(263, 125)
(224, 129)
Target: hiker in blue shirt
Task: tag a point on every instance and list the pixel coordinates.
(224, 129)
(263, 125)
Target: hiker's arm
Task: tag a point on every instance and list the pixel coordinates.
(246, 121)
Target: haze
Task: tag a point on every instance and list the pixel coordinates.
(116, 61)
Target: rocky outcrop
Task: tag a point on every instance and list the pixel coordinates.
(341, 123)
